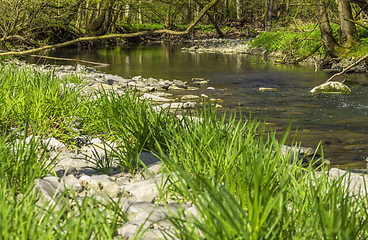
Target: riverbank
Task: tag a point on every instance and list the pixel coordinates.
(98, 151)
(244, 46)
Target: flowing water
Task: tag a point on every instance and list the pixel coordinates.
(339, 122)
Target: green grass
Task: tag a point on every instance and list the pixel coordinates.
(41, 99)
(290, 41)
(293, 42)
(229, 168)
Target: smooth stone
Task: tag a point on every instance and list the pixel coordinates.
(162, 94)
(331, 87)
(50, 191)
(137, 78)
(189, 97)
(262, 89)
(354, 180)
(179, 83)
(200, 81)
(102, 184)
(210, 88)
(53, 143)
(71, 182)
(148, 89)
(96, 141)
(136, 84)
(74, 162)
(156, 98)
(99, 86)
(173, 87)
(146, 190)
(190, 88)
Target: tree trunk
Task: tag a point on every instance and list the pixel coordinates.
(349, 35)
(140, 12)
(333, 49)
(226, 10)
(269, 15)
(126, 18)
(239, 5)
(189, 17)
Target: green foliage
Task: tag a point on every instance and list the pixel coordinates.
(147, 26)
(205, 28)
(289, 41)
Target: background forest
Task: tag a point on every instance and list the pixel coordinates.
(34, 23)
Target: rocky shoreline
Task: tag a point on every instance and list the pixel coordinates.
(241, 46)
(138, 195)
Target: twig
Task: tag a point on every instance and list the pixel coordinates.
(71, 59)
(347, 68)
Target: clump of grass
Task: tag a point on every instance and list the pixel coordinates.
(244, 188)
(23, 218)
(22, 160)
(29, 95)
(128, 120)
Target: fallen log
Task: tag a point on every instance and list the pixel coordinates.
(71, 59)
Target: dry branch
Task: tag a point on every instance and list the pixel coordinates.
(347, 68)
(71, 59)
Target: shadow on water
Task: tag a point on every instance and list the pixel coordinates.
(339, 122)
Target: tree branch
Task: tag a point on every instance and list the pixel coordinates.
(347, 68)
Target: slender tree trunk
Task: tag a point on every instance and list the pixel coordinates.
(226, 9)
(127, 13)
(349, 35)
(269, 15)
(189, 17)
(140, 12)
(333, 49)
(239, 5)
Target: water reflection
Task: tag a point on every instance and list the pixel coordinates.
(338, 121)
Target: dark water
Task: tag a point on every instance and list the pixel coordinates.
(339, 122)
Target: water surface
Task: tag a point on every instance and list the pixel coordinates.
(339, 122)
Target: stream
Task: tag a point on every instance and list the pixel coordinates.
(338, 122)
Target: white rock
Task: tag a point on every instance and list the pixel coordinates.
(146, 190)
(156, 98)
(331, 87)
(53, 143)
(189, 97)
(50, 191)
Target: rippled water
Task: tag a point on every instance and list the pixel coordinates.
(339, 122)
